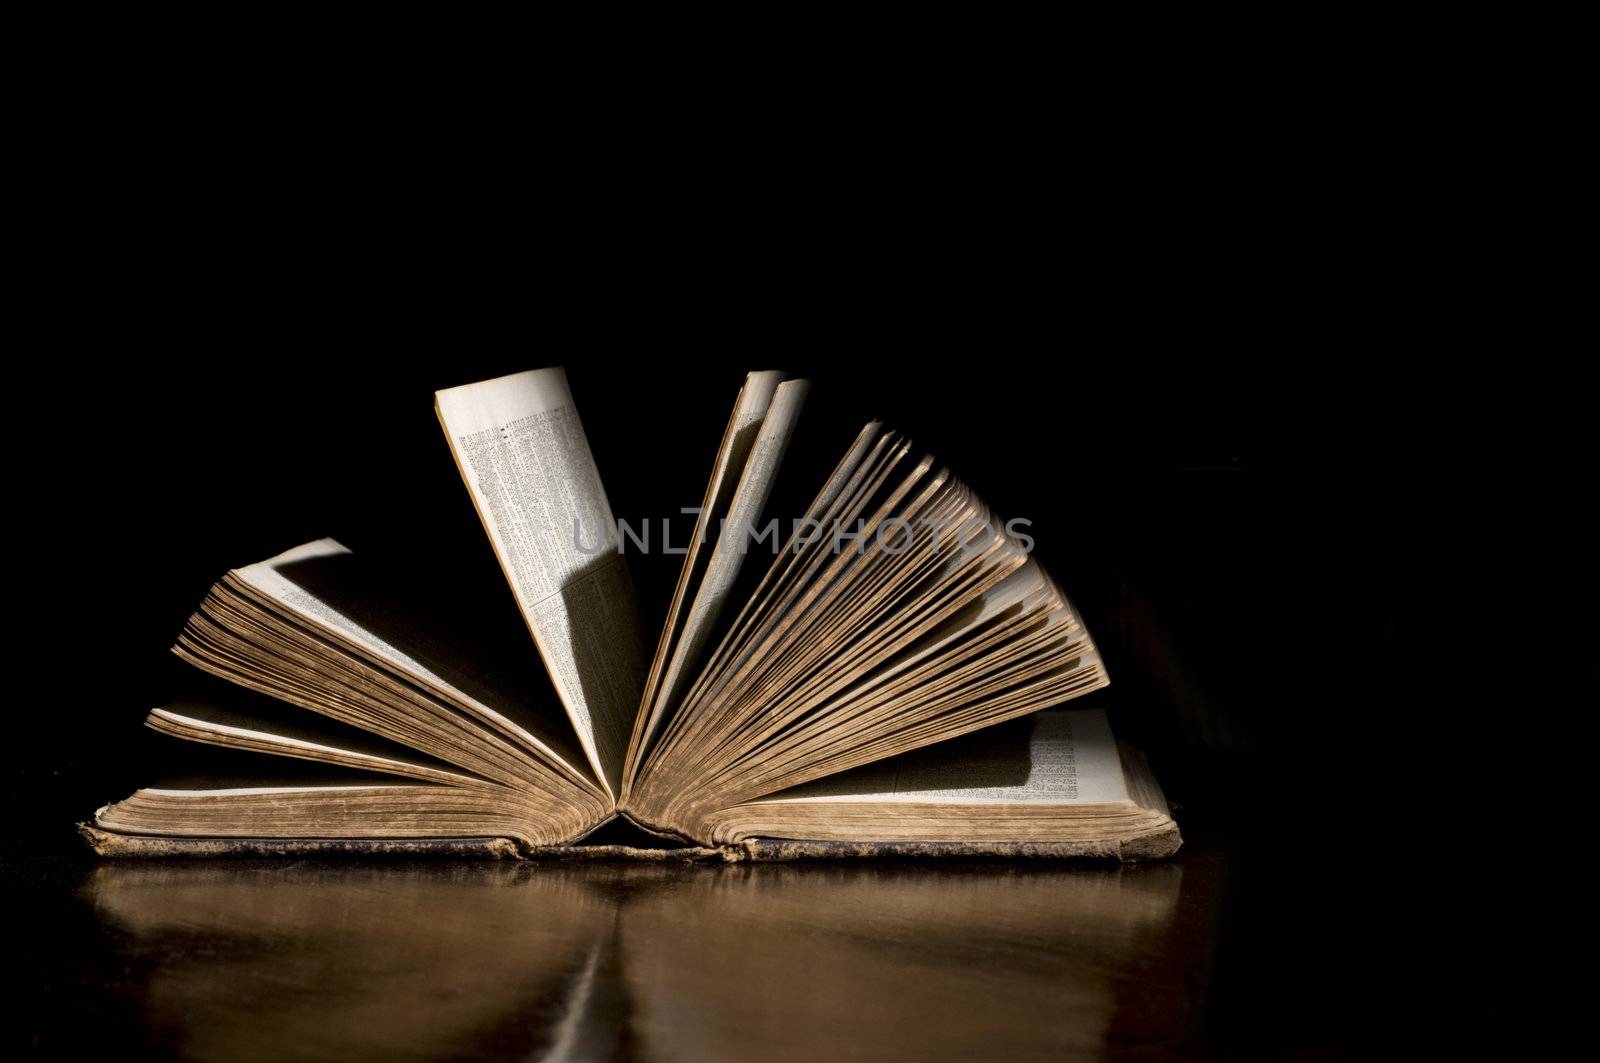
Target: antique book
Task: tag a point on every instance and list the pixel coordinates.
(886, 678)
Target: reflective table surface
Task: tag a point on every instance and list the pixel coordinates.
(274, 960)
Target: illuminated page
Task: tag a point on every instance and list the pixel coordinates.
(527, 465)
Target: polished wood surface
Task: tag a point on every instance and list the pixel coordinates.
(276, 960)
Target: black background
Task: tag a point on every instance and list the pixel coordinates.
(1265, 347)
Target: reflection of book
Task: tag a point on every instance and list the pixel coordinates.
(426, 960)
(895, 962)
(307, 961)
(865, 693)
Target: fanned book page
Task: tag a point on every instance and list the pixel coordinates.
(1053, 775)
(526, 462)
(873, 686)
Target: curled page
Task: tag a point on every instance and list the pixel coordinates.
(758, 435)
(526, 461)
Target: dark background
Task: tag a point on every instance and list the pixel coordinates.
(1270, 350)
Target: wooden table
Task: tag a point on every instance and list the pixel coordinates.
(280, 960)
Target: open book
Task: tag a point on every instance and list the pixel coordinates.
(873, 685)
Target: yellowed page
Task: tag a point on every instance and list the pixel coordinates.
(527, 465)
(1059, 756)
